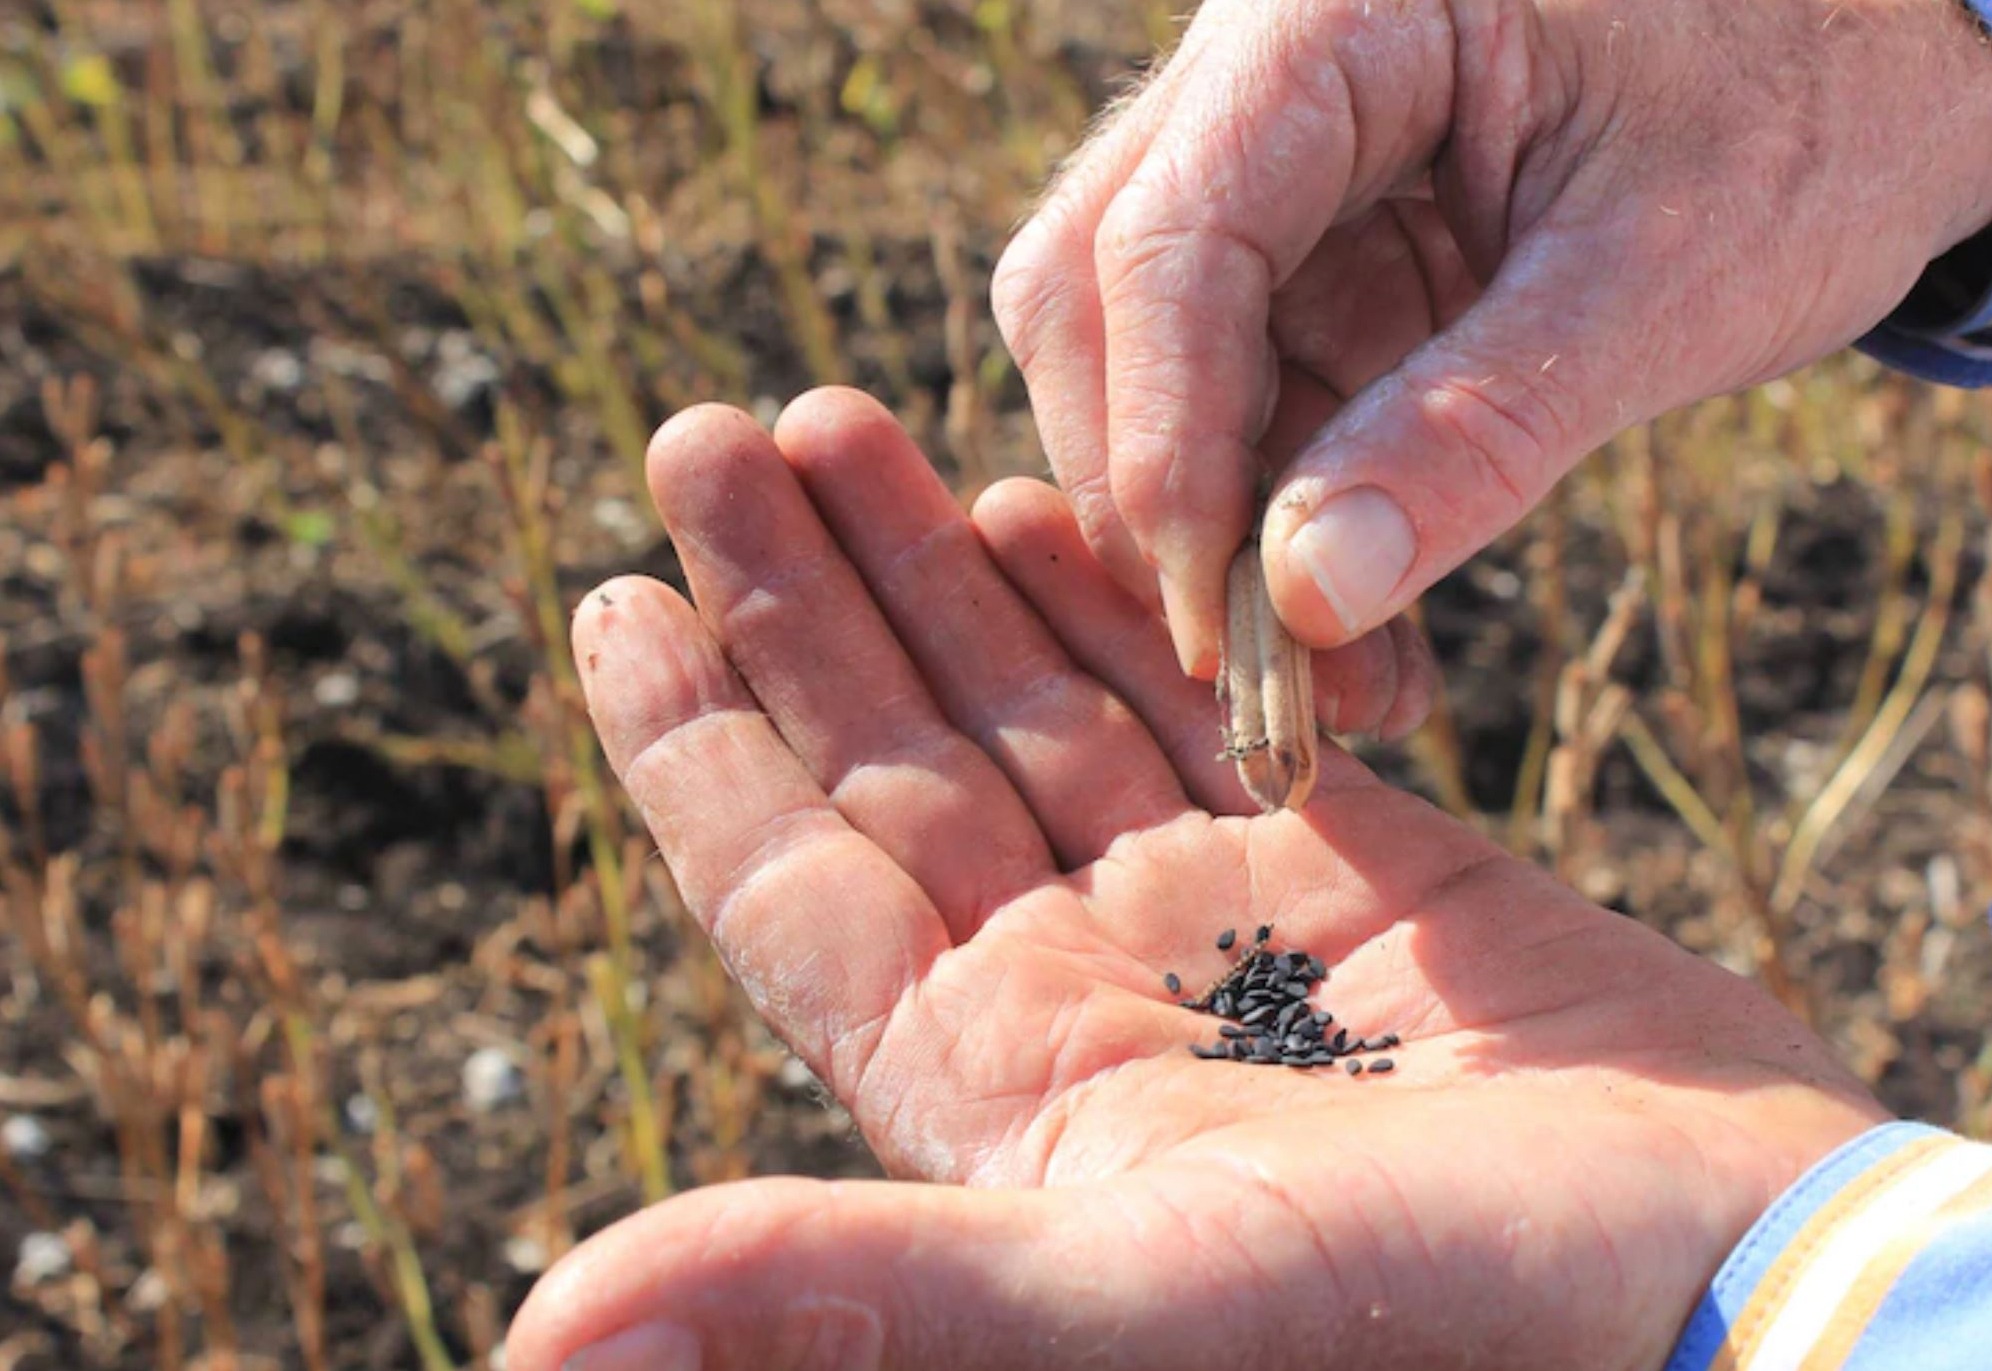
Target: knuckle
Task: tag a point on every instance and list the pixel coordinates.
(1094, 510)
(1032, 283)
(1509, 431)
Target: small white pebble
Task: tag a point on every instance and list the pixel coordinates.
(796, 1075)
(149, 1292)
(277, 369)
(362, 1114)
(622, 518)
(336, 690)
(43, 1257)
(25, 1138)
(491, 1079)
(527, 1256)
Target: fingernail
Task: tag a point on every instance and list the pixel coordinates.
(644, 1347)
(1192, 647)
(1357, 549)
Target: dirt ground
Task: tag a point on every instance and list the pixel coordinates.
(412, 866)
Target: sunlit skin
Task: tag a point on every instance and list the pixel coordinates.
(1439, 250)
(940, 792)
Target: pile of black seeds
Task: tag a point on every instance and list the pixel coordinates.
(1263, 999)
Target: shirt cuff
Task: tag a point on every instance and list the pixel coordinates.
(1860, 1258)
(1943, 331)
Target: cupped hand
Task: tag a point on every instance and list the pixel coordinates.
(950, 811)
(1425, 255)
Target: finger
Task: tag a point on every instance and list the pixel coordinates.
(1373, 290)
(1083, 761)
(1032, 535)
(1046, 302)
(1431, 463)
(796, 1275)
(1385, 678)
(1215, 218)
(1034, 538)
(824, 930)
(1418, 682)
(797, 621)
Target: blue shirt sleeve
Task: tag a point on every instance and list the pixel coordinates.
(1878, 1259)
(1943, 331)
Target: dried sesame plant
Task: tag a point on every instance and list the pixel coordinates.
(341, 992)
(1265, 690)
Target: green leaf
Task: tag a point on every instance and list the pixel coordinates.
(868, 95)
(311, 527)
(601, 11)
(17, 88)
(994, 16)
(89, 79)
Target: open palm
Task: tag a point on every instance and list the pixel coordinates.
(949, 809)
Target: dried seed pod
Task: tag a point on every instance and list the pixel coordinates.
(1265, 687)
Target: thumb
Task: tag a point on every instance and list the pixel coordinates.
(794, 1275)
(1433, 461)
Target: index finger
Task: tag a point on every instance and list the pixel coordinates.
(1252, 167)
(824, 931)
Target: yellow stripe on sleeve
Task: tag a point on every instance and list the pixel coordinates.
(1843, 1333)
(1747, 1333)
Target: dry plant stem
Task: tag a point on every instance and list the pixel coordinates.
(1438, 750)
(729, 64)
(521, 469)
(1868, 759)
(1266, 687)
(1551, 603)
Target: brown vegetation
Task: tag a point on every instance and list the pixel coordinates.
(342, 986)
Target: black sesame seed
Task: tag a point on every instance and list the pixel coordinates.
(1225, 1006)
(1317, 968)
(1264, 934)
(1321, 1058)
(1174, 983)
(1355, 1068)
(1232, 1030)
(1226, 939)
(1381, 1066)
(1391, 1040)
(1342, 1040)
(1209, 1054)
(1322, 1018)
(1258, 1015)
(1297, 989)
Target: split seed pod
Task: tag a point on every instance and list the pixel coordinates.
(1265, 688)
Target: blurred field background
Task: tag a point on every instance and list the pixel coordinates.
(339, 992)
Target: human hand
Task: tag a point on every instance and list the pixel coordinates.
(949, 808)
(1279, 249)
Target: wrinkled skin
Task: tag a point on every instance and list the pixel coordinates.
(1435, 251)
(949, 809)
